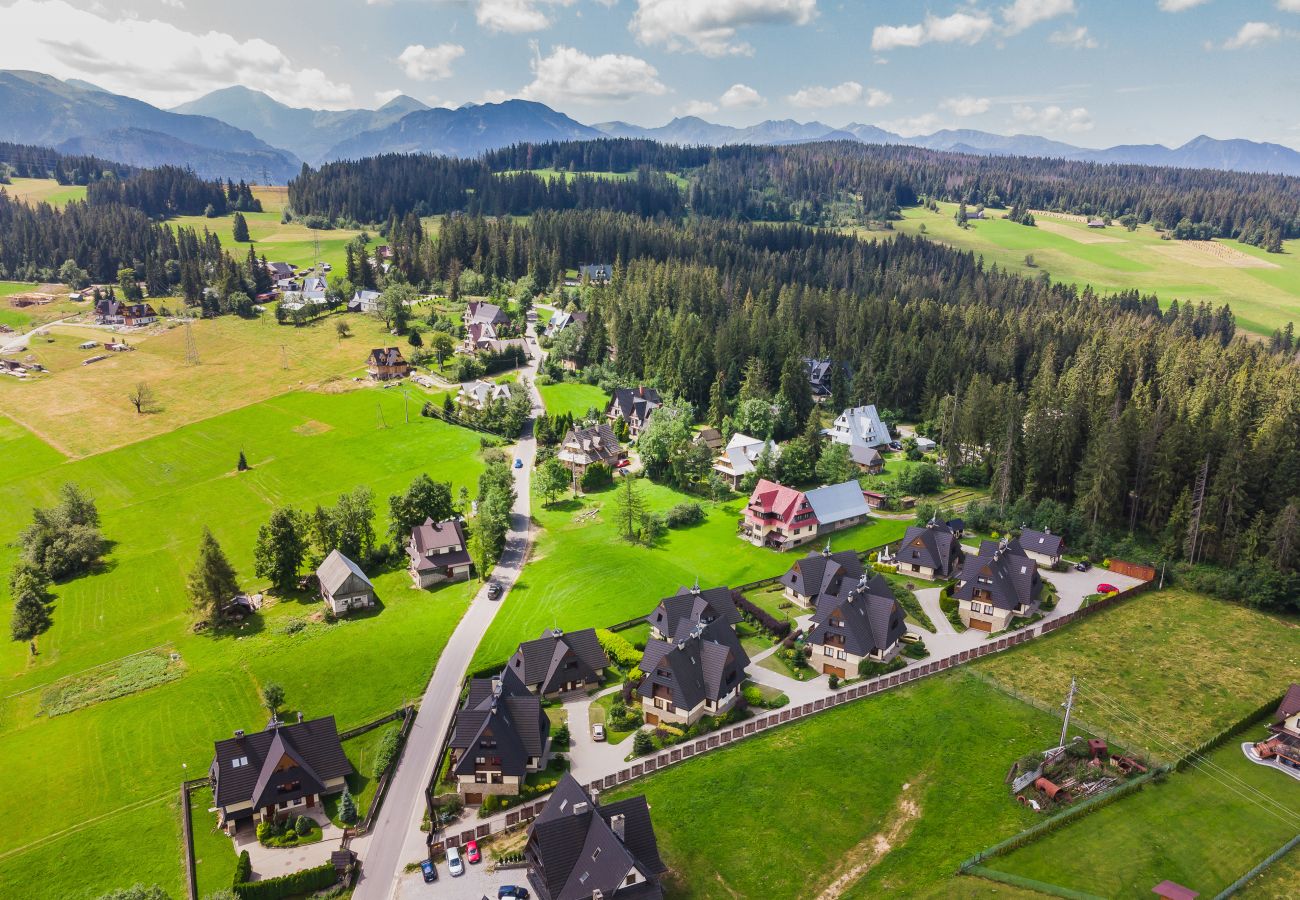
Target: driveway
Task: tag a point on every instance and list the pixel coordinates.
(477, 882)
(270, 862)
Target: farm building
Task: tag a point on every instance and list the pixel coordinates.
(343, 586)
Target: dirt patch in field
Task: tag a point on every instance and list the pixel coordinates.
(1213, 255)
(312, 427)
(869, 852)
(1091, 236)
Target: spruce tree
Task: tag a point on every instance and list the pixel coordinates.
(212, 581)
(281, 546)
(347, 808)
(239, 229)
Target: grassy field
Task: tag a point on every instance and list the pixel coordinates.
(582, 574)
(44, 190)
(1277, 883)
(84, 409)
(22, 319)
(1263, 289)
(1185, 664)
(1201, 828)
(570, 397)
(120, 760)
(917, 772)
(214, 852)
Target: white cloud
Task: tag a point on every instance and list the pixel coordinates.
(819, 97)
(1078, 38)
(154, 60)
(967, 106)
(515, 16)
(1022, 14)
(1252, 34)
(382, 97)
(877, 98)
(1177, 6)
(174, 4)
(1289, 5)
(427, 63)
(710, 26)
(1053, 118)
(741, 96)
(958, 28)
(569, 75)
(695, 108)
(914, 125)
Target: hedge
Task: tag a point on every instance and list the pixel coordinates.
(243, 868)
(776, 627)
(306, 881)
(619, 649)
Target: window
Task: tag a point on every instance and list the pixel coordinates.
(480, 778)
(239, 762)
(595, 854)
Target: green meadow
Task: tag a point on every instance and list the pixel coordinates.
(44, 190)
(109, 771)
(571, 397)
(1262, 288)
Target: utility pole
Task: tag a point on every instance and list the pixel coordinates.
(379, 411)
(1192, 545)
(191, 348)
(407, 404)
(1069, 705)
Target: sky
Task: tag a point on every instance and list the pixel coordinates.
(1090, 72)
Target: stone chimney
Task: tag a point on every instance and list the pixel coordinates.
(299, 717)
(618, 825)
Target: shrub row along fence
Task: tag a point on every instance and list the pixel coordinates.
(187, 836)
(407, 715)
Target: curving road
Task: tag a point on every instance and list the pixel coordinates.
(395, 838)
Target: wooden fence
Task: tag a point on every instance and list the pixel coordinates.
(1133, 570)
(187, 836)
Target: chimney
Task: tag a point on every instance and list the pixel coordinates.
(595, 796)
(496, 686)
(557, 632)
(617, 824)
(581, 807)
(239, 732)
(299, 717)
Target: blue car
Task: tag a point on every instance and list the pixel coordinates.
(428, 870)
(519, 463)
(510, 892)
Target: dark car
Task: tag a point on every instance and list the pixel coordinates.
(512, 892)
(1082, 566)
(428, 870)
(494, 591)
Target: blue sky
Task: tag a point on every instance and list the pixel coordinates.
(1091, 72)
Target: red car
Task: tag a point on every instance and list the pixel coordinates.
(471, 852)
(1105, 588)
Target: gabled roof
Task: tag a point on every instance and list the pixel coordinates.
(480, 333)
(743, 451)
(1290, 704)
(768, 496)
(539, 662)
(335, 571)
(863, 612)
(932, 545)
(860, 425)
(575, 851)
(698, 667)
(865, 456)
(693, 605)
(483, 392)
(1010, 578)
(443, 536)
(389, 356)
(489, 313)
(243, 767)
(837, 502)
(1041, 541)
(365, 296)
(819, 375)
(819, 573)
(709, 437)
(595, 443)
(500, 710)
(634, 403)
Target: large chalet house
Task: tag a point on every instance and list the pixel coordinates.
(820, 373)
(998, 584)
(479, 336)
(343, 586)
(364, 301)
(481, 313)
(692, 605)
(596, 273)
(437, 553)
(584, 447)
(559, 662)
(562, 320)
(280, 772)
(695, 673)
(1042, 547)
(387, 364)
(1284, 741)
(579, 850)
(502, 734)
(482, 394)
(855, 622)
(740, 455)
(782, 517)
(820, 573)
(634, 406)
(129, 315)
(860, 426)
(931, 551)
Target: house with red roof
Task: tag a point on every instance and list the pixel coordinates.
(778, 516)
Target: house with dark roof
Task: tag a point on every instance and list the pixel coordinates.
(867, 459)
(1283, 744)
(820, 573)
(599, 273)
(634, 406)
(583, 447)
(343, 586)
(819, 377)
(929, 551)
(859, 621)
(501, 734)
(130, 315)
(692, 606)
(437, 553)
(279, 270)
(579, 850)
(558, 662)
(481, 313)
(280, 772)
(386, 364)
(563, 319)
(709, 437)
(1042, 547)
(695, 674)
(998, 584)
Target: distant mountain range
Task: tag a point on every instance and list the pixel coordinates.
(241, 133)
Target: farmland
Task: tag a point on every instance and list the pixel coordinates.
(121, 759)
(1262, 288)
(582, 574)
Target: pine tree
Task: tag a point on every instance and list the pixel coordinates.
(212, 581)
(242, 465)
(30, 617)
(347, 808)
(280, 548)
(239, 229)
(629, 507)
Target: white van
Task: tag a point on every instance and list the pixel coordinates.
(454, 864)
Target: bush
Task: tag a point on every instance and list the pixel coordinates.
(617, 648)
(870, 669)
(683, 515)
(778, 628)
(916, 651)
(642, 743)
(833, 681)
(560, 737)
(306, 881)
(386, 753)
(597, 477)
(304, 825)
(243, 868)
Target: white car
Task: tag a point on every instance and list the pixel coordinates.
(597, 732)
(454, 864)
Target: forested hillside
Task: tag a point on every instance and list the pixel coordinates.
(25, 161)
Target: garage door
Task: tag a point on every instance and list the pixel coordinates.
(981, 626)
(651, 719)
(832, 670)
(473, 799)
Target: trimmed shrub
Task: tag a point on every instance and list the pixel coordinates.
(642, 743)
(386, 753)
(306, 881)
(683, 515)
(243, 868)
(778, 628)
(617, 648)
(870, 669)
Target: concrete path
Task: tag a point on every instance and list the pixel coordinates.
(395, 838)
(929, 600)
(270, 862)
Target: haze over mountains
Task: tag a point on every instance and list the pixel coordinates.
(241, 133)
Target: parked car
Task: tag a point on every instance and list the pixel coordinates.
(1082, 566)
(471, 852)
(519, 463)
(454, 864)
(428, 870)
(1105, 588)
(895, 446)
(512, 892)
(494, 590)
(597, 732)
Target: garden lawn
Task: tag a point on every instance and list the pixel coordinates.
(154, 498)
(214, 851)
(1187, 665)
(943, 744)
(1198, 828)
(599, 712)
(1113, 259)
(1278, 881)
(571, 397)
(582, 574)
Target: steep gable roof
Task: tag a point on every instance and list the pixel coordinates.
(634, 403)
(694, 605)
(932, 545)
(1290, 704)
(389, 356)
(694, 668)
(335, 571)
(503, 711)
(1041, 542)
(820, 572)
(860, 425)
(539, 662)
(768, 496)
(1005, 573)
(864, 613)
(487, 313)
(243, 767)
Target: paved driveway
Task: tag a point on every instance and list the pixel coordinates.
(477, 882)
